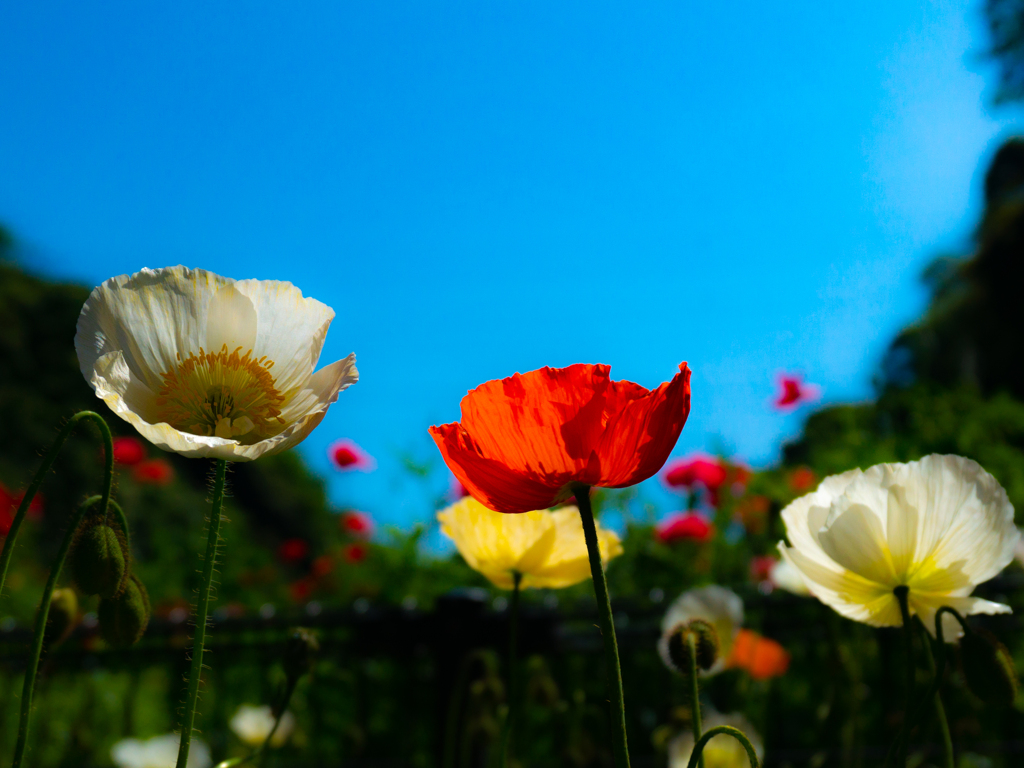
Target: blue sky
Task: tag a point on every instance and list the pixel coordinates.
(482, 188)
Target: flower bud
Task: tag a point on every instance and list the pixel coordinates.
(63, 616)
(99, 564)
(705, 645)
(988, 668)
(299, 652)
(124, 618)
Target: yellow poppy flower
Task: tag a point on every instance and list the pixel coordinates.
(721, 751)
(546, 547)
(939, 526)
(206, 366)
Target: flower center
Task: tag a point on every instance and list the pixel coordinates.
(224, 394)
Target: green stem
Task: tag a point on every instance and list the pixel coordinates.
(48, 458)
(42, 616)
(736, 733)
(933, 693)
(202, 612)
(903, 739)
(513, 632)
(607, 624)
(694, 692)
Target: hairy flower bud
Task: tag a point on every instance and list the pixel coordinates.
(299, 652)
(63, 616)
(705, 645)
(124, 618)
(988, 668)
(100, 564)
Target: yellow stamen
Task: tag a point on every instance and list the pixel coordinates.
(224, 394)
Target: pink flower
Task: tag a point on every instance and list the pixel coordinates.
(292, 550)
(357, 523)
(128, 451)
(347, 457)
(685, 526)
(154, 472)
(794, 392)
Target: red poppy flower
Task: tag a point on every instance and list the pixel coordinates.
(154, 472)
(793, 392)
(760, 656)
(348, 457)
(292, 550)
(128, 451)
(354, 553)
(761, 567)
(688, 472)
(523, 441)
(322, 565)
(685, 526)
(802, 479)
(356, 523)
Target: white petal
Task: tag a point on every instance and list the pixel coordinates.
(901, 530)
(856, 541)
(927, 606)
(231, 321)
(719, 606)
(805, 516)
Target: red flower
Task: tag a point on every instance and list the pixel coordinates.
(9, 503)
(300, 590)
(685, 473)
(357, 523)
(128, 451)
(354, 553)
(523, 441)
(322, 565)
(761, 567)
(794, 392)
(6, 520)
(292, 550)
(154, 472)
(685, 526)
(802, 479)
(761, 657)
(347, 457)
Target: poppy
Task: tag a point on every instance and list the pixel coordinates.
(684, 526)
(802, 479)
(300, 590)
(348, 457)
(292, 550)
(356, 523)
(760, 656)
(154, 472)
(794, 392)
(322, 565)
(128, 451)
(761, 567)
(354, 553)
(524, 441)
(685, 473)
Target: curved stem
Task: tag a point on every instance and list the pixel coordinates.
(513, 632)
(933, 693)
(736, 733)
(694, 693)
(42, 616)
(607, 623)
(48, 458)
(202, 612)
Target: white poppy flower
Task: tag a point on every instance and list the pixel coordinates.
(721, 751)
(206, 366)
(158, 752)
(939, 526)
(252, 724)
(784, 576)
(720, 607)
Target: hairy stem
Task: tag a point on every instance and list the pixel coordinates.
(694, 693)
(202, 612)
(698, 748)
(48, 458)
(42, 616)
(607, 624)
(513, 692)
(933, 693)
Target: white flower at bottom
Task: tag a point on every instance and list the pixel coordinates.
(721, 751)
(939, 526)
(158, 752)
(719, 606)
(252, 724)
(204, 365)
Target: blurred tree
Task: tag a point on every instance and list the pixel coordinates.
(1006, 25)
